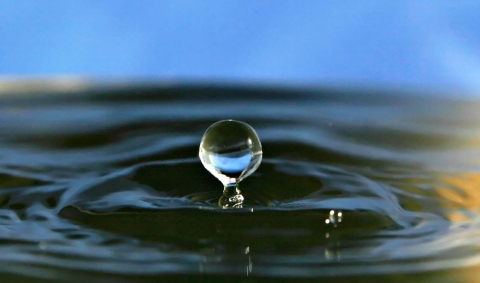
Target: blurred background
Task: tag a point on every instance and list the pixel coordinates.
(422, 45)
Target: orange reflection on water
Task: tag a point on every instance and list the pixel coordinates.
(461, 194)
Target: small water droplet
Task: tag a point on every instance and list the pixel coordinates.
(334, 218)
(42, 245)
(231, 151)
(250, 266)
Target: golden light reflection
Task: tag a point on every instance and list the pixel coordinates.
(461, 193)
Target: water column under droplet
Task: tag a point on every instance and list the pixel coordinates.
(231, 151)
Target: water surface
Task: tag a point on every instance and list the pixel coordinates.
(105, 183)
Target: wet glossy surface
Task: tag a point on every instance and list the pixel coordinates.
(106, 183)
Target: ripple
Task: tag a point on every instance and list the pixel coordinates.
(350, 185)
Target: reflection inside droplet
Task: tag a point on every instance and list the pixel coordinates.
(231, 164)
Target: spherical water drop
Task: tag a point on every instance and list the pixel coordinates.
(231, 151)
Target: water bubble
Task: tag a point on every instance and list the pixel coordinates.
(231, 151)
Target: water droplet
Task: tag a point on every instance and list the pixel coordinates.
(42, 245)
(231, 151)
(334, 218)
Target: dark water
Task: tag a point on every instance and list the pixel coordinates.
(105, 185)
